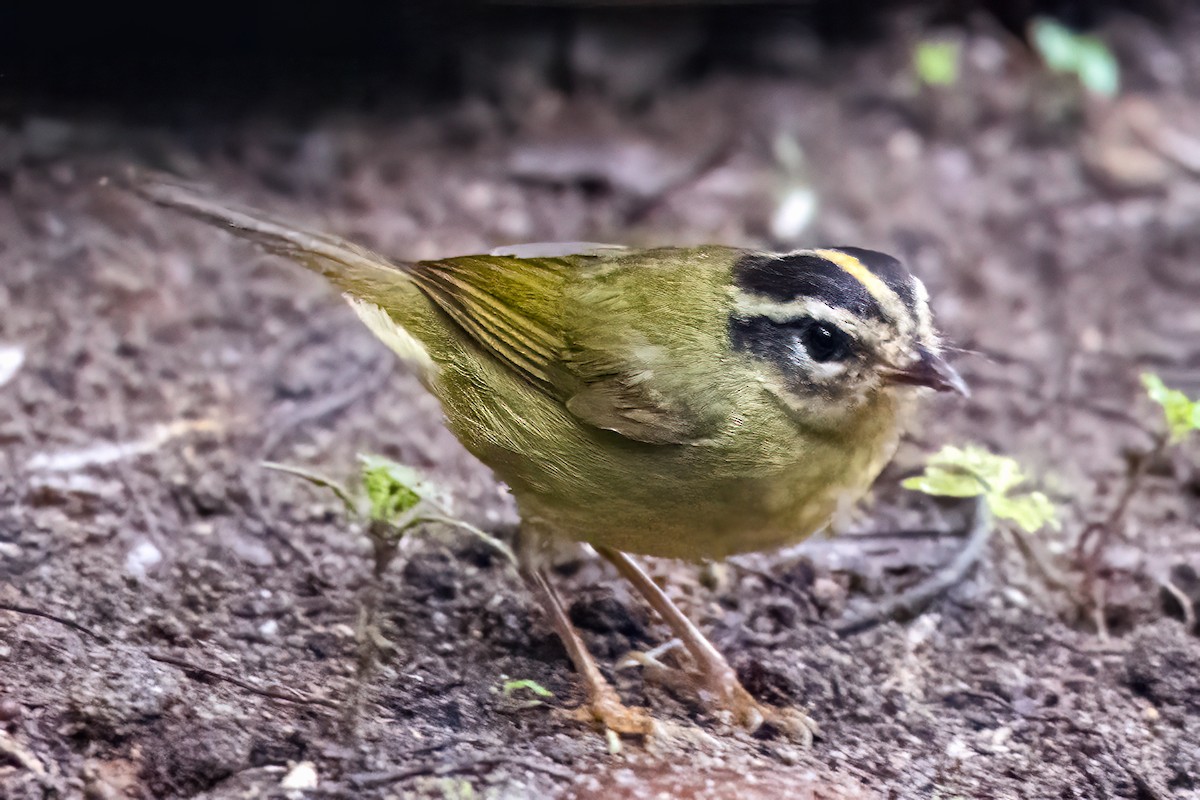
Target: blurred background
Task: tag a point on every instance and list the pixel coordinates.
(1037, 164)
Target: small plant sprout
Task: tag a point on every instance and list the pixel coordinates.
(973, 471)
(525, 684)
(1182, 418)
(392, 500)
(1086, 57)
(936, 62)
(523, 693)
(1181, 412)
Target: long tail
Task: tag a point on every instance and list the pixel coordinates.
(356, 270)
(380, 290)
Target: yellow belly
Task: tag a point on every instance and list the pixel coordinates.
(765, 487)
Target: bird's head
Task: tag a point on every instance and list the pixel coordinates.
(829, 329)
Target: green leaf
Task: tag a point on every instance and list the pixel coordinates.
(943, 483)
(1182, 413)
(392, 489)
(936, 63)
(972, 471)
(525, 684)
(1056, 44)
(997, 474)
(1098, 69)
(1086, 57)
(1030, 511)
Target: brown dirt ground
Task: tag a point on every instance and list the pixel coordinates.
(1059, 243)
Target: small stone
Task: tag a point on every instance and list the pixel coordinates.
(303, 776)
(9, 709)
(142, 558)
(828, 593)
(11, 359)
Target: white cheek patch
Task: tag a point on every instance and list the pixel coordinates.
(393, 334)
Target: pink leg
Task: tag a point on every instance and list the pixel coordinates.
(604, 705)
(719, 679)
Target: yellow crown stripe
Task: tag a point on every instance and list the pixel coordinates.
(874, 286)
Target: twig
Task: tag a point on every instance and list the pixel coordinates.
(33, 612)
(376, 780)
(917, 597)
(289, 696)
(1100, 534)
(911, 533)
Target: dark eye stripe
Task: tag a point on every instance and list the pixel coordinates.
(889, 270)
(763, 338)
(790, 277)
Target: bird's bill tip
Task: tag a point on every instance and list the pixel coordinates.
(930, 370)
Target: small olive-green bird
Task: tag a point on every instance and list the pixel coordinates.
(684, 402)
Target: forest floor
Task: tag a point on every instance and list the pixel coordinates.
(181, 622)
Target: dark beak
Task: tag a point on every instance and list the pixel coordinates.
(929, 370)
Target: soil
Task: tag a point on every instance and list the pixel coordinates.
(181, 622)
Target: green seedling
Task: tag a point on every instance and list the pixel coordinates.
(1086, 57)
(523, 693)
(973, 471)
(936, 62)
(392, 499)
(1181, 412)
(1182, 418)
(525, 684)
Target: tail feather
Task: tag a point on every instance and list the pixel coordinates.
(356, 270)
(381, 291)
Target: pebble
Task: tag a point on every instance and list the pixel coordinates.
(301, 777)
(142, 558)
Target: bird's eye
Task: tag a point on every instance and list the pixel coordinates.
(825, 342)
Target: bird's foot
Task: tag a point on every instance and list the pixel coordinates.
(729, 699)
(606, 709)
(722, 693)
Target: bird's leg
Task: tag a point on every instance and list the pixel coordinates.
(604, 705)
(719, 681)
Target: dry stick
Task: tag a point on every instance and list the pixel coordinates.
(384, 546)
(440, 769)
(291, 696)
(914, 599)
(33, 612)
(1103, 532)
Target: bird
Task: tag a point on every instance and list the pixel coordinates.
(682, 402)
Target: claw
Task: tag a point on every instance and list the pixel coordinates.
(751, 714)
(616, 718)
